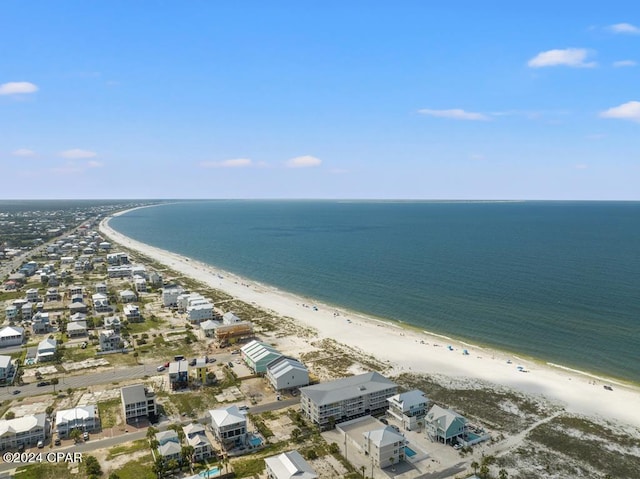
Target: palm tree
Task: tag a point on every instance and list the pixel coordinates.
(151, 432)
(484, 471)
(55, 382)
(475, 467)
(502, 474)
(188, 452)
(159, 467)
(75, 434)
(363, 469)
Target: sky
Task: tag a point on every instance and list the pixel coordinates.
(308, 99)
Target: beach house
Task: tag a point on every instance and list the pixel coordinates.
(286, 373)
(444, 425)
(170, 295)
(196, 437)
(110, 340)
(258, 355)
(178, 374)
(138, 403)
(289, 465)
(46, 350)
(385, 446)
(83, 418)
(229, 426)
(336, 401)
(23, 431)
(7, 369)
(409, 408)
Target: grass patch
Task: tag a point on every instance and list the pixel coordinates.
(146, 325)
(139, 469)
(586, 449)
(188, 402)
(108, 411)
(248, 467)
(482, 404)
(78, 354)
(45, 471)
(135, 446)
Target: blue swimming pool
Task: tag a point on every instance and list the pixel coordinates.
(214, 471)
(255, 441)
(409, 452)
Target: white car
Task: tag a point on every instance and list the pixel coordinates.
(160, 368)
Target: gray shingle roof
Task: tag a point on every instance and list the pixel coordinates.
(346, 388)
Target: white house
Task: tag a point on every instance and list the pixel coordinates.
(140, 284)
(46, 350)
(112, 322)
(289, 465)
(230, 318)
(170, 295)
(409, 408)
(128, 296)
(40, 323)
(169, 435)
(11, 336)
(11, 312)
(385, 446)
(101, 303)
(76, 328)
(32, 295)
(83, 418)
(170, 451)
(26, 430)
(229, 426)
(200, 312)
(101, 288)
(208, 327)
(132, 313)
(287, 373)
(7, 369)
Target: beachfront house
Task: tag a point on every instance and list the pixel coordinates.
(230, 318)
(286, 373)
(409, 408)
(229, 426)
(170, 451)
(336, 401)
(200, 312)
(289, 465)
(169, 435)
(444, 425)
(385, 446)
(170, 295)
(208, 328)
(257, 355)
(83, 418)
(196, 437)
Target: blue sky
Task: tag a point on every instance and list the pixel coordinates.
(411, 100)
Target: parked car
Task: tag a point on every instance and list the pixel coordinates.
(44, 383)
(160, 368)
(15, 391)
(166, 365)
(192, 362)
(235, 351)
(57, 441)
(85, 436)
(230, 364)
(211, 360)
(40, 444)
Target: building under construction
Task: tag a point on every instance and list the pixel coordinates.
(226, 334)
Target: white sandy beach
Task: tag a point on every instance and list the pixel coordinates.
(412, 351)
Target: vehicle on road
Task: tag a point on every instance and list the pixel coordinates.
(85, 436)
(57, 441)
(43, 383)
(166, 365)
(15, 391)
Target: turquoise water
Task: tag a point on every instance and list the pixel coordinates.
(211, 472)
(409, 452)
(255, 441)
(555, 280)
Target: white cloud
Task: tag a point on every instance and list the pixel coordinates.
(571, 57)
(17, 88)
(625, 63)
(625, 28)
(77, 154)
(626, 111)
(94, 164)
(455, 114)
(303, 162)
(23, 152)
(233, 163)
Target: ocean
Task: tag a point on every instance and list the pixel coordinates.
(557, 281)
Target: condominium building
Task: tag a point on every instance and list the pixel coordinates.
(26, 430)
(343, 399)
(83, 418)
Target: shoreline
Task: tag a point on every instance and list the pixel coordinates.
(411, 349)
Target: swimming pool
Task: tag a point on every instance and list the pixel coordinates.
(214, 471)
(255, 441)
(409, 452)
